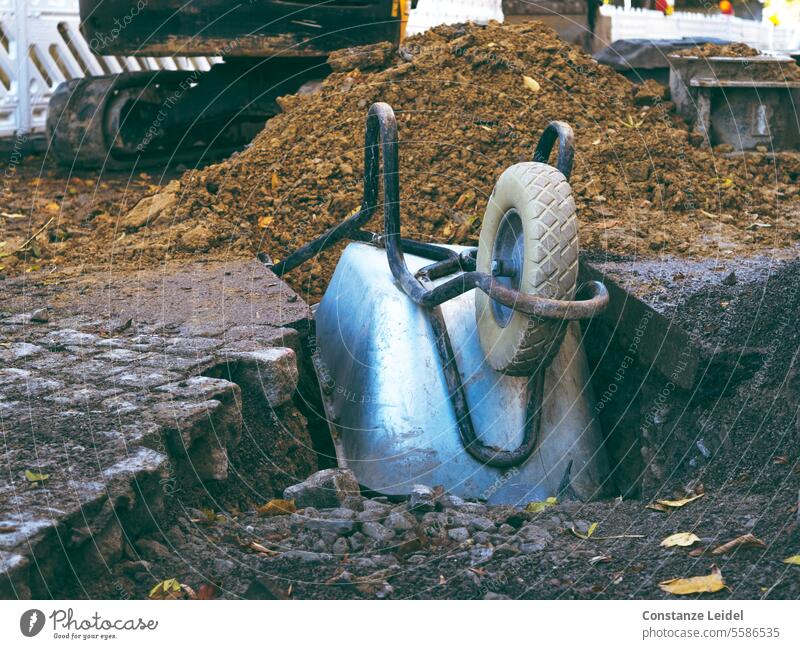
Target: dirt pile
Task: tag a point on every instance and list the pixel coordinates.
(767, 68)
(465, 114)
(643, 183)
(705, 50)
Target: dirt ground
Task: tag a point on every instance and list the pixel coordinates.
(213, 549)
(54, 217)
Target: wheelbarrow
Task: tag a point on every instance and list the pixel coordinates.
(459, 366)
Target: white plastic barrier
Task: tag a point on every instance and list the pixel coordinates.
(430, 13)
(646, 23)
(40, 46)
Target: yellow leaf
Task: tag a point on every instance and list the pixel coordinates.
(167, 589)
(264, 221)
(531, 84)
(277, 507)
(681, 539)
(592, 529)
(689, 585)
(30, 476)
(52, 207)
(793, 561)
(665, 505)
(537, 507)
(275, 181)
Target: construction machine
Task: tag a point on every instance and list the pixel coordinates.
(264, 49)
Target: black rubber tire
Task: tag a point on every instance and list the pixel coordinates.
(542, 197)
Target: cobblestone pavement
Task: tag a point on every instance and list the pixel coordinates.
(124, 393)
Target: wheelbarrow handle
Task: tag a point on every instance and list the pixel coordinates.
(381, 132)
(562, 132)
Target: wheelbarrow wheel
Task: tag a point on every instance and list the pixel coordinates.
(529, 241)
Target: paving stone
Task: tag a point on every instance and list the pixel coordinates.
(422, 498)
(17, 351)
(458, 534)
(114, 401)
(399, 522)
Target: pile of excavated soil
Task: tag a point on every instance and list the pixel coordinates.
(705, 50)
(764, 70)
(643, 184)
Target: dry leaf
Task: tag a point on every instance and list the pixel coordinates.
(277, 507)
(52, 207)
(257, 547)
(592, 529)
(168, 589)
(710, 583)
(681, 539)
(744, 541)
(537, 507)
(607, 224)
(265, 221)
(531, 84)
(601, 558)
(793, 561)
(467, 197)
(666, 505)
(275, 181)
(35, 478)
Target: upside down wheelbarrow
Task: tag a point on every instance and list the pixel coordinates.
(457, 366)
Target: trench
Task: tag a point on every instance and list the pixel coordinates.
(683, 399)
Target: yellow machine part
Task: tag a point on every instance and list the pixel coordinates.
(401, 8)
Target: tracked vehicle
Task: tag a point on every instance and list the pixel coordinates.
(267, 48)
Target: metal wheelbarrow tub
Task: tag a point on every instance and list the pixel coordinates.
(388, 404)
(461, 367)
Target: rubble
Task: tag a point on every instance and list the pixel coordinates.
(327, 488)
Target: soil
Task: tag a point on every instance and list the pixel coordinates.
(767, 69)
(623, 559)
(643, 184)
(74, 214)
(712, 49)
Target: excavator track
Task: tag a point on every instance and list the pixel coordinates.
(117, 121)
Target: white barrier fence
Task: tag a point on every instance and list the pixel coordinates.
(40, 46)
(646, 23)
